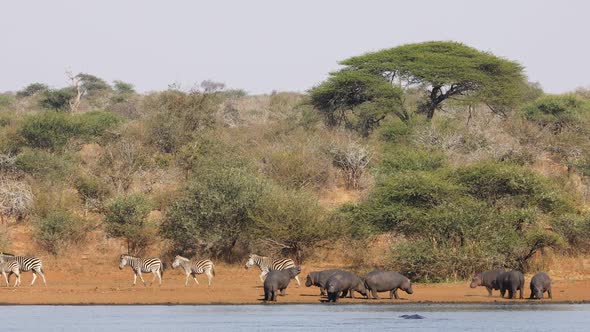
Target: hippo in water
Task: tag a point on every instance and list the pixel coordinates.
(511, 281)
(540, 283)
(319, 278)
(487, 279)
(278, 280)
(382, 281)
(344, 282)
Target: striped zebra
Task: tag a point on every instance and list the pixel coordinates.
(140, 265)
(10, 267)
(195, 267)
(26, 264)
(267, 264)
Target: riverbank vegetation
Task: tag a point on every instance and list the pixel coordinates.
(462, 161)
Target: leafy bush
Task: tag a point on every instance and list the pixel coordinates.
(6, 101)
(213, 213)
(558, 111)
(53, 130)
(32, 89)
(126, 217)
(402, 157)
(48, 130)
(57, 100)
(43, 164)
(92, 191)
(59, 229)
(291, 223)
(95, 124)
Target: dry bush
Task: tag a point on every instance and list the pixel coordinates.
(121, 161)
(352, 158)
(16, 198)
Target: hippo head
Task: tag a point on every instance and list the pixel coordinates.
(537, 293)
(476, 281)
(308, 280)
(407, 286)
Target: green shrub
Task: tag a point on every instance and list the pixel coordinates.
(53, 130)
(213, 213)
(59, 229)
(558, 111)
(57, 100)
(126, 217)
(92, 190)
(32, 89)
(48, 130)
(292, 223)
(43, 164)
(6, 101)
(95, 124)
(398, 158)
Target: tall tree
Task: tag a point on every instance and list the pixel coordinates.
(445, 70)
(357, 99)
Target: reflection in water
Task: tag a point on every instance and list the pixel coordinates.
(452, 317)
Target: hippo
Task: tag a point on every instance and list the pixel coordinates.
(319, 278)
(511, 281)
(278, 280)
(540, 283)
(382, 281)
(344, 282)
(487, 279)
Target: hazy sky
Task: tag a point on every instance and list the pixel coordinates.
(262, 46)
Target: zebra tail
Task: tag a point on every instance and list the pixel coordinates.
(162, 268)
(213, 270)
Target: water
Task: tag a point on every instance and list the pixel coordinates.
(459, 317)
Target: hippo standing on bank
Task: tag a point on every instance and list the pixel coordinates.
(344, 282)
(319, 278)
(487, 279)
(278, 280)
(540, 283)
(383, 281)
(511, 281)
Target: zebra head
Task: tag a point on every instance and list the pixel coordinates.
(251, 261)
(177, 261)
(124, 260)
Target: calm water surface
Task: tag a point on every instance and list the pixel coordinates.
(464, 317)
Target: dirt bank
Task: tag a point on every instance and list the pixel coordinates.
(232, 285)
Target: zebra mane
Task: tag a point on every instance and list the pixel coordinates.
(7, 254)
(128, 256)
(182, 258)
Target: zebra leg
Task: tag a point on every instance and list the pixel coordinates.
(141, 277)
(5, 278)
(34, 277)
(154, 274)
(134, 278)
(209, 277)
(42, 277)
(262, 275)
(195, 278)
(297, 279)
(160, 277)
(186, 280)
(17, 281)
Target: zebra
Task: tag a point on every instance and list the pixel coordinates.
(26, 264)
(195, 267)
(10, 267)
(267, 264)
(140, 265)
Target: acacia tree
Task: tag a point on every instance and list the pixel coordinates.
(446, 70)
(357, 99)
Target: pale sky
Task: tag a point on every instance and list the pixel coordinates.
(265, 45)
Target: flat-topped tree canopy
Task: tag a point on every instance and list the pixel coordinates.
(446, 69)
